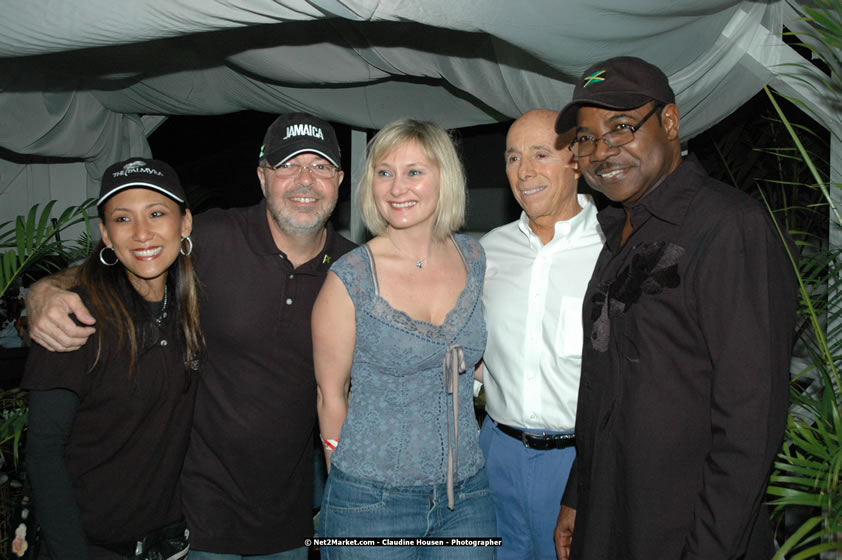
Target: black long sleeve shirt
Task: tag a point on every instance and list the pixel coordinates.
(685, 376)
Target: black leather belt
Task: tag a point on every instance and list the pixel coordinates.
(539, 441)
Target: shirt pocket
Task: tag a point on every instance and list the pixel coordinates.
(568, 337)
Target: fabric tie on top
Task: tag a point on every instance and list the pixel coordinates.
(454, 364)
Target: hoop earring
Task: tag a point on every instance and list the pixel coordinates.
(102, 256)
(189, 244)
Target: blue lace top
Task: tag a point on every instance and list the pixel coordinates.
(396, 431)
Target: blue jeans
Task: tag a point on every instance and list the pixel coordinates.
(294, 554)
(354, 507)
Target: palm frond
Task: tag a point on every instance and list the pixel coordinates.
(806, 473)
(28, 240)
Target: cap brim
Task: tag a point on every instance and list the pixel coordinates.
(125, 186)
(304, 148)
(615, 100)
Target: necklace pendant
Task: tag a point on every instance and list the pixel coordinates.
(419, 264)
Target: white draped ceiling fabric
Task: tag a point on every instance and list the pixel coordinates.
(85, 82)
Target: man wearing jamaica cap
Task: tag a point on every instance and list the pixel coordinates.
(247, 479)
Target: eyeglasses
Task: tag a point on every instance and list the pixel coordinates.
(316, 169)
(584, 146)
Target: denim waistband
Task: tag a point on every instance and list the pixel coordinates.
(421, 489)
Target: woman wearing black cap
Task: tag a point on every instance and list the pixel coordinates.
(109, 423)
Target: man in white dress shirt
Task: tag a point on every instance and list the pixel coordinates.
(538, 269)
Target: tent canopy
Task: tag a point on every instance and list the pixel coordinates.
(82, 80)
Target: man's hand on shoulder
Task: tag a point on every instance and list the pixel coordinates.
(49, 306)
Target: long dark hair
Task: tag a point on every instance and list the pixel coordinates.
(118, 307)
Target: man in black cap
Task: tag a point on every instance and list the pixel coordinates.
(688, 322)
(248, 476)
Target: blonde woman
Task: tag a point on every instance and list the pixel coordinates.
(397, 330)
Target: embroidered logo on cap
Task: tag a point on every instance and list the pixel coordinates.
(137, 166)
(594, 78)
(304, 130)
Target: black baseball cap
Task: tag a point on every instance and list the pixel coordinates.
(623, 82)
(297, 133)
(144, 173)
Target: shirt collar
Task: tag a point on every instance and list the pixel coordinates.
(572, 228)
(671, 199)
(262, 242)
(260, 236)
(319, 264)
(669, 202)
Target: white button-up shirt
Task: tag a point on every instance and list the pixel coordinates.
(533, 309)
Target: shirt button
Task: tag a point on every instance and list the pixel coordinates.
(532, 417)
(163, 343)
(289, 301)
(291, 276)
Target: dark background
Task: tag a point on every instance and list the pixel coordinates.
(216, 158)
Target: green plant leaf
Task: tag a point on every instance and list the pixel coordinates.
(797, 537)
(9, 267)
(33, 237)
(43, 223)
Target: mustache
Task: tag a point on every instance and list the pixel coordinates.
(303, 190)
(607, 167)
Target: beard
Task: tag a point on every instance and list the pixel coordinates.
(300, 221)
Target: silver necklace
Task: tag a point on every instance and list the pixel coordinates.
(163, 314)
(418, 262)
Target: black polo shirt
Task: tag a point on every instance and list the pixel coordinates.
(125, 447)
(248, 477)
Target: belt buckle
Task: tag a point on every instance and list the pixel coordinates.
(523, 439)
